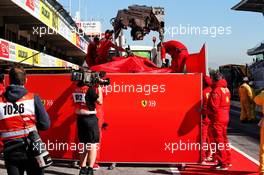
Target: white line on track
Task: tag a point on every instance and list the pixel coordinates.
(175, 171)
(245, 155)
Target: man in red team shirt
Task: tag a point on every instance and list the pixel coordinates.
(104, 47)
(178, 53)
(218, 110)
(206, 124)
(92, 52)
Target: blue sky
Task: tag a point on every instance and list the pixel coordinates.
(246, 27)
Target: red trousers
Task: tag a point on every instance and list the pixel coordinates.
(223, 154)
(207, 137)
(178, 62)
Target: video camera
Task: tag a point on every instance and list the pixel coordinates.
(38, 149)
(90, 78)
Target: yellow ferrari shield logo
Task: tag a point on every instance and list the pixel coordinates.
(144, 103)
(43, 102)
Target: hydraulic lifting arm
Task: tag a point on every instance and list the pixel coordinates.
(141, 20)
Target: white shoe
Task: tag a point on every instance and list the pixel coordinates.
(221, 167)
(208, 163)
(229, 165)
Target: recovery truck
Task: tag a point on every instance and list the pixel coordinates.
(153, 118)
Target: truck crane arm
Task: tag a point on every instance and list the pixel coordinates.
(141, 20)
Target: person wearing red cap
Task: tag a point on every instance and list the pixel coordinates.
(206, 130)
(92, 52)
(104, 47)
(218, 110)
(178, 53)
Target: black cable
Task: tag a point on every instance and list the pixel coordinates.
(29, 57)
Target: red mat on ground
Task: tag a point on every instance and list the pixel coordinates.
(241, 166)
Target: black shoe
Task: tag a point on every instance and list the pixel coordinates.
(243, 121)
(83, 171)
(222, 168)
(217, 165)
(90, 171)
(251, 121)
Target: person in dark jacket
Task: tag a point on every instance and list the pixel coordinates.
(21, 113)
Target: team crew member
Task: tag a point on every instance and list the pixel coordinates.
(206, 130)
(178, 53)
(259, 100)
(218, 108)
(246, 95)
(85, 99)
(21, 112)
(92, 52)
(104, 47)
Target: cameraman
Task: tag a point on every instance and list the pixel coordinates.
(21, 113)
(85, 99)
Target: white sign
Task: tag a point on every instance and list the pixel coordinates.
(90, 27)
